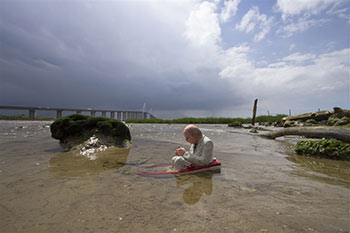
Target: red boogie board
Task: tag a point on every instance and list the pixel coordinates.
(213, 166)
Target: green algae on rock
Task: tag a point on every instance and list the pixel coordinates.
(77, 128)
(327, 148)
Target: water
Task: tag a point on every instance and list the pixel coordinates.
(260, 187)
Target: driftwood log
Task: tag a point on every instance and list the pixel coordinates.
(342, 134)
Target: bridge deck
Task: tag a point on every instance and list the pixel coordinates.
(120, 114)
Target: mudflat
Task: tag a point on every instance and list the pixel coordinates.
(262, 186)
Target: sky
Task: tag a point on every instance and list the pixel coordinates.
(183, 58)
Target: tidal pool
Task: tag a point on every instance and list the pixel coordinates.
(261, 187)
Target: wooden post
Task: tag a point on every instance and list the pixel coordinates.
(254, 111)
(58, 114)
(31, 114)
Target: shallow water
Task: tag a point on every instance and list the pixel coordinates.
(260, 187)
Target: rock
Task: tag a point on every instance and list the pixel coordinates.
(343, 121)
(318, 118)
(311, 122)
(235, 124)
(321, 115)
(302, 117)
(253, 130)
(75, 129)
(277, 124)
(288, 123)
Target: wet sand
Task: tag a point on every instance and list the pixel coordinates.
(260, 188)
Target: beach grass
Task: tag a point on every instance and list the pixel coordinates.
(185, 120)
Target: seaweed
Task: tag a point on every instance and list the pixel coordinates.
(327, 148)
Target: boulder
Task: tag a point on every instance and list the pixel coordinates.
(321, 115)
(75, 129)
(288, 123)
(338, 117)
(339, 112)
(311, 122)
(253, 130)
(342, 121)
(235, 124)
(302, 117)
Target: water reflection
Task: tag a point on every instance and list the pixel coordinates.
(71, 164)
(323, 170)
(200, 185)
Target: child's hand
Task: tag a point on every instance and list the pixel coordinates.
(180, 151)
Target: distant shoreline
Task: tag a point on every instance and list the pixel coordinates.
(25, 118)
(186, 120)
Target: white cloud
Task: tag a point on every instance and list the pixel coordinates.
(230, 8)
(253, 19)
(296, 7)
(343, 13)
(292, 47)
(301, 25)
(202, 26)
(300, 15)
(290, 78)
(249, 20)
(299, 58)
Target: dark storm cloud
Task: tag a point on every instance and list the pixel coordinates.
(105, 55)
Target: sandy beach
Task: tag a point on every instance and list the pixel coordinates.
(262, 187)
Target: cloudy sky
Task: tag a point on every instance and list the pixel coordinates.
(180, 57)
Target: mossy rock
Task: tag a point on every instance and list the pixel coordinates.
(236, 124)
(77, 128)
(327, 148)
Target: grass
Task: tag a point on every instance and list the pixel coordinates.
(192, 120)
(23, 117)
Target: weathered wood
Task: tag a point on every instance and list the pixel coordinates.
(342, 134)
(254, 111)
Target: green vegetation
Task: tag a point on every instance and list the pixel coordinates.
(328, 148)
(24, 117)
(191, 120)
(77, 128)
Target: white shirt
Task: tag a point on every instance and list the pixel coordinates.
(203, 154)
